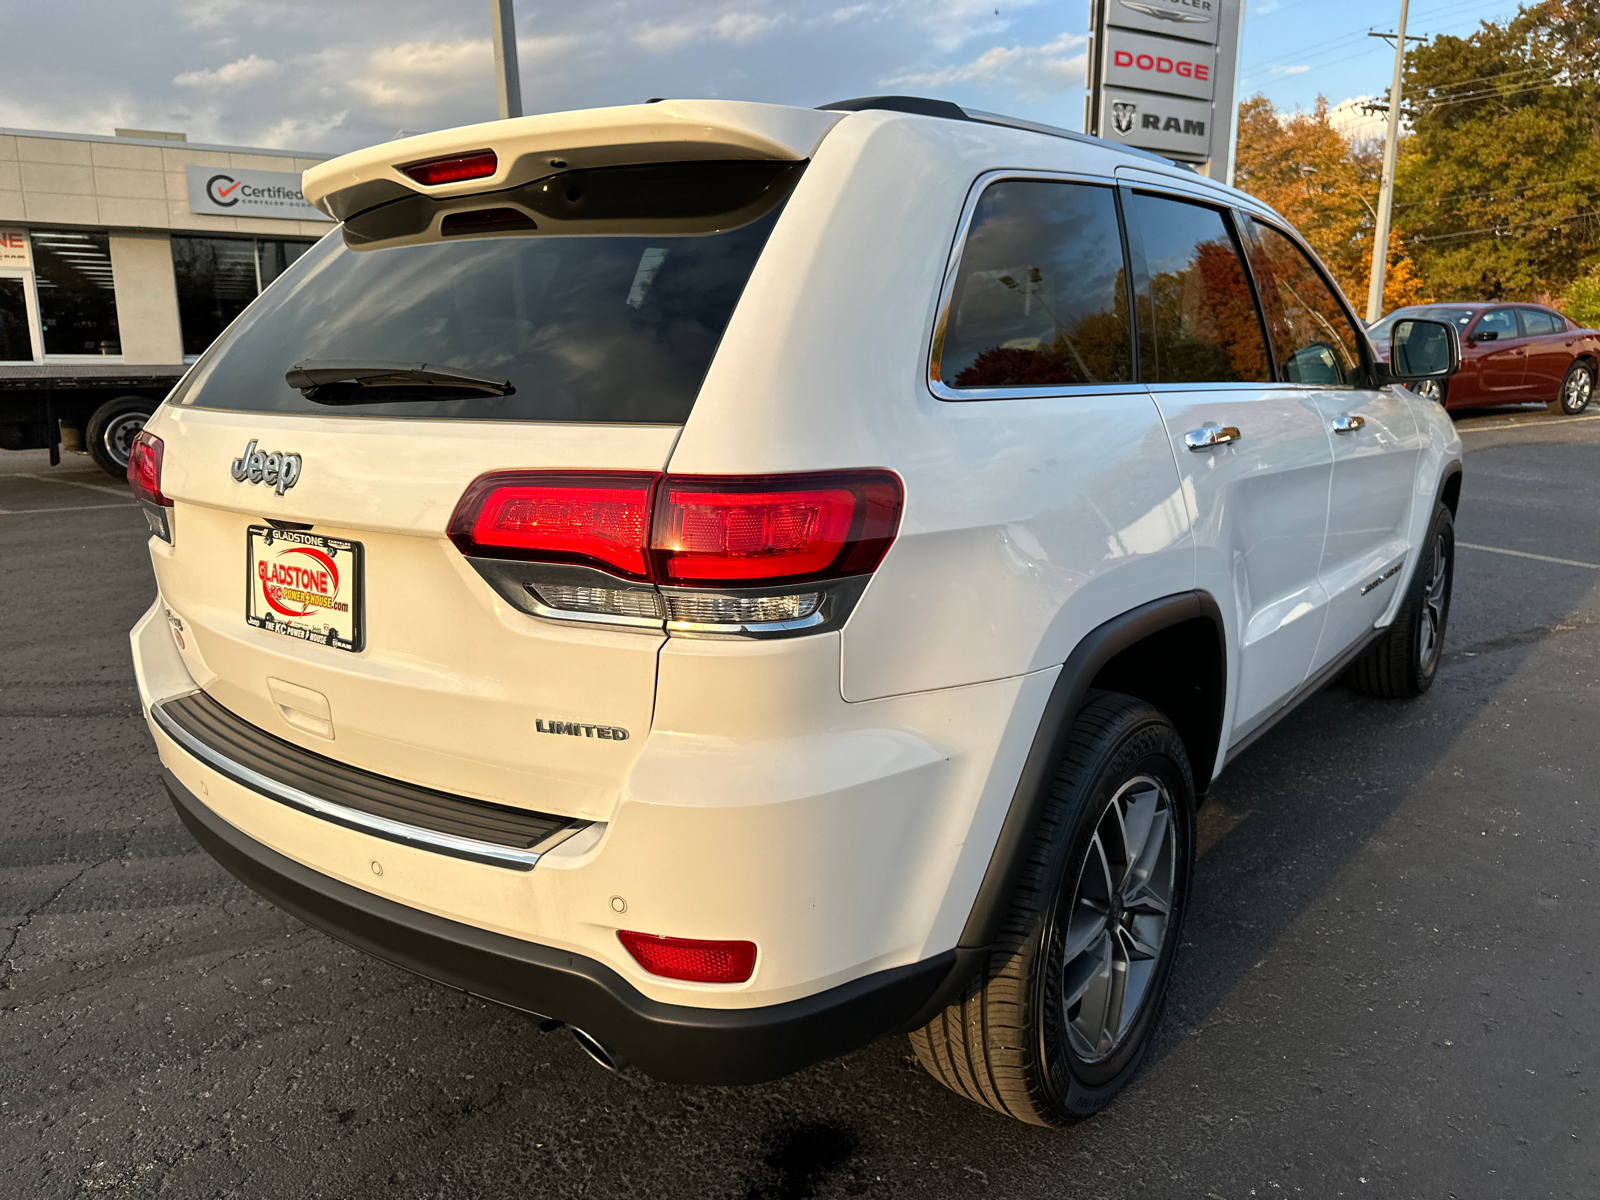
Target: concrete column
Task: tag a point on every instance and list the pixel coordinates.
(147, 297)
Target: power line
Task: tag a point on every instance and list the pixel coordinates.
(1525, 189)
(1500, 231)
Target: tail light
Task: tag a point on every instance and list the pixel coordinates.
(598, 519)
(144, 477)
(690, 958)
(766, 529)
(727, 551)
(452, 168)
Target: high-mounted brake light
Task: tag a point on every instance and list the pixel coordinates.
(750, 531)
(596, 519)
(690, 958)
(452, 168)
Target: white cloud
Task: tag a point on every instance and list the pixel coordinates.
(736, 27)
(1301, 69)
(1034, 71)
(297, 133)
(420, 74)
(950, 23)
(239, 72)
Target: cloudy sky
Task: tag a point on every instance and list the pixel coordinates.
(337, 74)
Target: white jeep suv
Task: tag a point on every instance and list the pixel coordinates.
(742, 580)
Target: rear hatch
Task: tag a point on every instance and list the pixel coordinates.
(556, 314)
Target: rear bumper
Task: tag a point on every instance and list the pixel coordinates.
(671, 1042)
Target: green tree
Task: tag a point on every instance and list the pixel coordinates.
(1496, 193)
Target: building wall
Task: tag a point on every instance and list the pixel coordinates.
(127, 182)
(147, 297)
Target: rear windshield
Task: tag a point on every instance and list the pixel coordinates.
(600, 297)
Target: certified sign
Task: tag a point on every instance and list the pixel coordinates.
(14, 249)
(1137, 60)
(221, 192)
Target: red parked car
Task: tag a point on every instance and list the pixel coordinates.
(1510, 354)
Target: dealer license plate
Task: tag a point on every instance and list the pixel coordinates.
(305, 586)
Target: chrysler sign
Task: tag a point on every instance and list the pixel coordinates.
(223, 192)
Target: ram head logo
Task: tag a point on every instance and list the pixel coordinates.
(1122, 116)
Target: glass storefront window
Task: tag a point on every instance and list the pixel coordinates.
(218, 277)
(77, 304)
(15, 345)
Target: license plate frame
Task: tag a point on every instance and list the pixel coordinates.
(318, 568)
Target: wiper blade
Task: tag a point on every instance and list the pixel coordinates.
(375, 381)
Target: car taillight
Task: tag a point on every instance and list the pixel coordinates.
(144, 477)
(691, 959)
(589, 519)
(452, 168)
(727, 551)
(759, 530)
(144, 468)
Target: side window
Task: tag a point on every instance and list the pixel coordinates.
(1198, 305)
(1312, 336)
(1501, 322)
(1536, 323)
(1040, 296)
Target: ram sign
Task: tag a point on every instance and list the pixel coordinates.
(1162, 78)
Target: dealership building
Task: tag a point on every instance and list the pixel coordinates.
(139, 248)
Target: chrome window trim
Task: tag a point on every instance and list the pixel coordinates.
(943, 391)
(382, 827)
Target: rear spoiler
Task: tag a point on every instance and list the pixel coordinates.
(529, 148)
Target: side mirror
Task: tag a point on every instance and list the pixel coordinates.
(1420, 349)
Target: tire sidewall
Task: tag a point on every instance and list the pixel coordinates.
(1441, 523)
(1146, 746)
(95, 432)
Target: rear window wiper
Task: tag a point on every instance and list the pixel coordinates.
(377, 381)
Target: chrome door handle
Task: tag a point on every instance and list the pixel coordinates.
(1348, 424)
(1211, 435)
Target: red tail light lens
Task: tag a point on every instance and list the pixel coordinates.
(691, 959)
(593, 519)
(754, 530)
(453, 168)
(144, 468)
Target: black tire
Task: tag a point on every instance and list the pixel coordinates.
(1437, 390)
(1011, 1042)
(1402, 663)
(1577, 389)
(111, 430)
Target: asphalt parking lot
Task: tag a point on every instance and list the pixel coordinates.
(1387, 986)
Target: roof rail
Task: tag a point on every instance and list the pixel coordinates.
(924, 107)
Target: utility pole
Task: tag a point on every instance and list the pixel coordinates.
(1380, 232)
(508, 80)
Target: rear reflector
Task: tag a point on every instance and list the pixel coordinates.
(749, 531)
(475, 164)
(592, 519)
(144, 468)
(701, 531)
(691, 959)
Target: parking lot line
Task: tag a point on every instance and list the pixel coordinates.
(1565, 562)
(23, 512)
(93, 487)
(1525, 424)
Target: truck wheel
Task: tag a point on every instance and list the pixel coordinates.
(111, 430)
(1576, 390)
(1059, 1021)
(1404, 661)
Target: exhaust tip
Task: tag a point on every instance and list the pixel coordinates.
(597, 1051)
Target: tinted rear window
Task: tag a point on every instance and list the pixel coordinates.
(602, 299)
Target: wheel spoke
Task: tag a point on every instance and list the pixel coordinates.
(1138, 823)
(1091, 979)
(1087, 924)
(1139, 871)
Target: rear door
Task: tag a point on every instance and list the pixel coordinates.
(1317, 346)
(1548, 352)
(300, 513)
(1254, 457)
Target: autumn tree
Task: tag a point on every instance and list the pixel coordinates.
(1498, 180)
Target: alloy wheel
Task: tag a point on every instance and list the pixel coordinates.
(1119, 917)
(1430, 630)
(1575, 395)
(119, 434)
(1428, 389)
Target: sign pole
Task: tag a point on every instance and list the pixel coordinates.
(1380, 231)
(507, 79)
